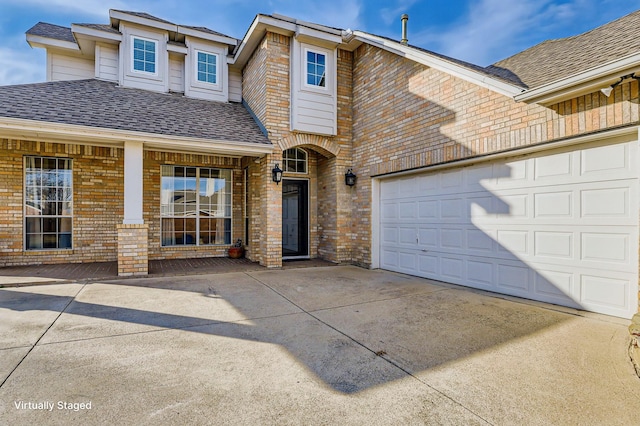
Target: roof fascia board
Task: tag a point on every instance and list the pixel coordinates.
(306, 33)
(260, 25)
(120, 16)
(207, 36)
(92, 33)
(440, 64)
(177, 49)
(584, 82)
(46, 42)
(66, 133)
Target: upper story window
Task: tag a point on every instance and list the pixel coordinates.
(295, 160)
(316, 68)
(144, 55)
(207, 67)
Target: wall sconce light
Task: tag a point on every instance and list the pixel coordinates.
(350, 178)
(609, 89)
(276, 174)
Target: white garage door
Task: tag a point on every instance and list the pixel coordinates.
(559, 227)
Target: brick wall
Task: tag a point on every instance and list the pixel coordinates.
(269, 97)
(97, 202)
(418, 116)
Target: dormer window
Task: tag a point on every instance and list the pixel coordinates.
(316, 68)
(207, 67)
(144, 55)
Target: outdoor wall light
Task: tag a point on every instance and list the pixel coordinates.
(607, 90)
(276, 174)
(350, 178)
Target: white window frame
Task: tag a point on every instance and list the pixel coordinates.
(56, 216)
(285, 163)
(306, 85)
(197, 216)
(132, 56)
(201, 83)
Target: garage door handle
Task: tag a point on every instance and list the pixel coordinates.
(424, 250)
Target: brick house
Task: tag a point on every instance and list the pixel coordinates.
(153, 140)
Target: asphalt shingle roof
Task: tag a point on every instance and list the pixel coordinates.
(100, 27)
(144, 15)
(553, 60)
(56, 32)
(104, 105)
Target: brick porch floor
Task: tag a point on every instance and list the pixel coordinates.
(158, 268)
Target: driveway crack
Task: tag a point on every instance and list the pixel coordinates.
(71, 299)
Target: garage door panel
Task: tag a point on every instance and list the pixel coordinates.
(554, 204)
(451, 268)
(513, 277)
(554, 244)
(605, 294)
(605, 247)
(428, 265)
(559, 227)
(555, 286)
(451, 238)
(606, 203)
(481, 273)
(480, 242)
(605, 160)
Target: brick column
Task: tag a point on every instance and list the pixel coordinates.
(271, 209)
(133, 249)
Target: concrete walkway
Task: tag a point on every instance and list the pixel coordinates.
(338, 345)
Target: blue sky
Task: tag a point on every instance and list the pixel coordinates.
(480, 31)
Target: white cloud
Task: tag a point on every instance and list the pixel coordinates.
(19, 66)
(492, 28)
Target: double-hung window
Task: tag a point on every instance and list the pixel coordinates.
(207, 67)
(48, 197)
(316, 68)
(144, 55)
(195, 206)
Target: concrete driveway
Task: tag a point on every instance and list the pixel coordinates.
(340, 345)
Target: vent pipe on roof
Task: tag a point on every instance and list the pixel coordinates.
(404, 18)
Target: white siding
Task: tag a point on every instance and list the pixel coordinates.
(65, 67)
(176, 73)
(235, 85)
(107, 62)
(313, 109)
(197, 89)
(158, 82)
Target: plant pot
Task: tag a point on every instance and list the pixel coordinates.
(236, 252)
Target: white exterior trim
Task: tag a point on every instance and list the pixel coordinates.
(45, 42)
(582, 83)
(133, 179)
(84, 135)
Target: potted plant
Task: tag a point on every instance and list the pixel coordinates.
(236, 251)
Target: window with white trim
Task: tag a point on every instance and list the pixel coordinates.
(144, 55)
(206, 67)
(195, 206)
(316, 68)
(295, 160)
(48, 201)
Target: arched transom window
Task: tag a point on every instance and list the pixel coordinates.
(295, 160)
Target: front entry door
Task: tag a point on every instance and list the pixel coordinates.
(295, 218)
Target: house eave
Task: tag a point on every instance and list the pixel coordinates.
(439, 64)
(46, 42)
(65, 133)
(582, 83)
(96, 35)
